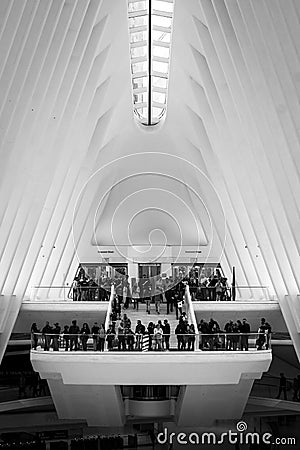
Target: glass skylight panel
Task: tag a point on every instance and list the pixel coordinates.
(137, 52)
(161, 21)
(140, 97)
(160, 82)
(138, 21)
(160, 5)
(137, 6)
(161, 36)
(140, 83)
(164, 52)
(139, 67)
(150, 25)
(159, 97)
(139, 36)
(159, 66)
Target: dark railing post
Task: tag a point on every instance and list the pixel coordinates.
(233, 290)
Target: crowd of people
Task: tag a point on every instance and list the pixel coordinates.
(235, 335)
(122, 335)
(212, 288)
(153, 336)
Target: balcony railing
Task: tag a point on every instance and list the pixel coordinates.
(212, 293)
(135, 342)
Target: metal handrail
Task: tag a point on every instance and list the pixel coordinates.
(191, 311)
(109, 308)
(219, 340)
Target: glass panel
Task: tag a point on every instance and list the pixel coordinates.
(158, 66)
(159, 97)
(162, 6)
(157, 113)
(140, 82)
(139, 67)
(140, 54)
(161, 21)
(164, 52)
(142, 113)
(160, 82)
(138, 36)
(137, 6)
(138, 21)
(135, 52)
(141, 97)
(161, 36)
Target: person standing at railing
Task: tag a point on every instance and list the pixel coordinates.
(166, 336)
(150, 330)
(203, 338)
(46, 332)
(245, 330)
(85, 334)
(95, 333)
(213, 329)
(121, 337)
(92, 290)
(179, 335)
(102, 335)
(158, 338)
(129, 335)
(126, 321)
(110, 337)
(191, 337)
(229, 330)
(74, 331)
(66, 337)
(235, 336)
(139, 332)
(84, 286)
(266, 328)
(34, 336)
(55, 338)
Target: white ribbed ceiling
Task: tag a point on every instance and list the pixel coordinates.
(233, 111)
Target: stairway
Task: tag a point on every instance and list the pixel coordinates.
(145, 318)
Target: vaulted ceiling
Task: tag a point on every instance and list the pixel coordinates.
(229, 147)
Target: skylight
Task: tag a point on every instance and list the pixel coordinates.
(150, 26)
